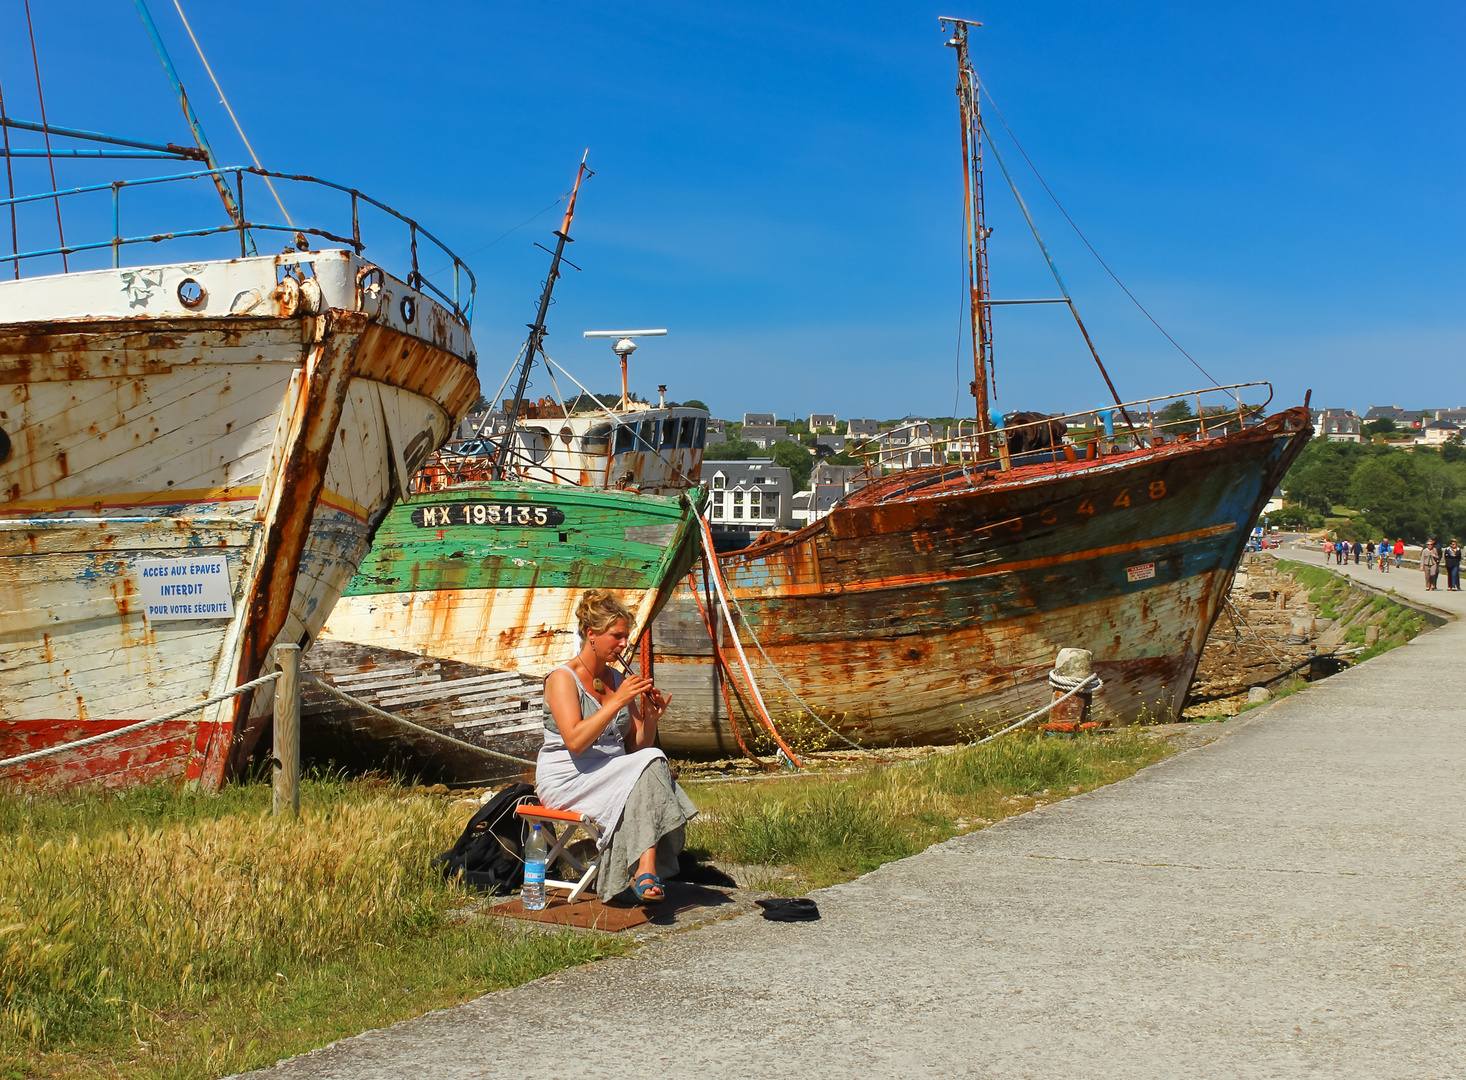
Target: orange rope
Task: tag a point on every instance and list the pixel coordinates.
(720, 667)
(760, 712)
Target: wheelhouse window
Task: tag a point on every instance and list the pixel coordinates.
(625, 438)
(648, 435)
(700, 435)
(687, 432)
(669, 434)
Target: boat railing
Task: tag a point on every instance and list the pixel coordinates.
(452, 283)
(1138, 423)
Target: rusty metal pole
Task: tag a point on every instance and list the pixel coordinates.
(287, 730)
(646, 669)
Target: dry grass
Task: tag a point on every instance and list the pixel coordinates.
(160, 933)
(832, 829)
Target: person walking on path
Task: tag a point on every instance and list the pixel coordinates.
(1328, 550)
(1356, 546)
(1452, 558)
(1342, 548)
(1430, 562)
(1399, 551)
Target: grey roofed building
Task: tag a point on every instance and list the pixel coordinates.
(717, 432)
(764, 435)
(821, 420)
(834, 442)
(759, 419)
(846, 476)
(1385, 412)
(1339, 425)
(751, 495)
(864, 428)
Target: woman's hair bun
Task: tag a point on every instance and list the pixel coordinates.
(598, 609)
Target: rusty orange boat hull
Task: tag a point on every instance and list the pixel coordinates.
(928, 607)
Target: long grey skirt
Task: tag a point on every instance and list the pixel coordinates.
(657, 812)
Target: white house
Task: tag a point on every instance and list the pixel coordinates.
(749, 496)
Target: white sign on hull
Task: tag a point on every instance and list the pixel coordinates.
(194, 588)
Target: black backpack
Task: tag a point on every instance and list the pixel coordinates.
(489, 854)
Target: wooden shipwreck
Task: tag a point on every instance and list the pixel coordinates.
(928, 605)
(246, 417)
(467, 600)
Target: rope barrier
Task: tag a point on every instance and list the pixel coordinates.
(174, 715)
(384, 715)
(1092, 683)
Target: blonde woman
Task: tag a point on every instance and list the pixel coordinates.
(600, 758)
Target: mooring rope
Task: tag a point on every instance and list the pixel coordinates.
(1091, 683)
(174, 715)
(385, 715)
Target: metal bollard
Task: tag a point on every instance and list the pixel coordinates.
(286, 752)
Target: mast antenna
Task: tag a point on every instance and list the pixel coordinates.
(536, 341)
(974, 224)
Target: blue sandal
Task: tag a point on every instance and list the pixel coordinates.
(652, 882)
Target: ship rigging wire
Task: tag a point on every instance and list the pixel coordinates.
(224, 100)
(10, 187)
(1079, 233)
(45, 125)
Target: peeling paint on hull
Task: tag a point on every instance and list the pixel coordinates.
(470, 598)
(274, 439)
(929, 606)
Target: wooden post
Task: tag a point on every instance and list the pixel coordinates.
(287, 730)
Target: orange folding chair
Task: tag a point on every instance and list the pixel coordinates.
(569, 823)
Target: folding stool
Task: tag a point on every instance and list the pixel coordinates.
(571, 823)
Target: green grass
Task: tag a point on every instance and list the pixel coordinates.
(1336, 599)
(831, 829)
(160, 933)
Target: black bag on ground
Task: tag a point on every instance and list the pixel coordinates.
(489, 854)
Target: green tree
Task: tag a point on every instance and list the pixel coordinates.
(1383, 426)
(693, 403)
(733, 450)
(1172, 419)
(799, 461)
(1295, 517)
(1384, 489)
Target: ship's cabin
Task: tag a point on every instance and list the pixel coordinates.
(656, 450)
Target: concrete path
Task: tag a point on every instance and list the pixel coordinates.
(1405, 581)
(1285, 902)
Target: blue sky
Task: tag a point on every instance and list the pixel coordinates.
(778, 183)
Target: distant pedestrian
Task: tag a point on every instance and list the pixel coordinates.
(1399, 551)
(1328, 550)
(1369, 554)
(1356, 546)
(1430, 562)
(1384, 556)
(1341, 549)
(1452, 558)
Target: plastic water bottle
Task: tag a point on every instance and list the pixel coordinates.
(536, 856)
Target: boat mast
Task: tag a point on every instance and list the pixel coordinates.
(535, 342)
(975, 226)
(227, 196)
